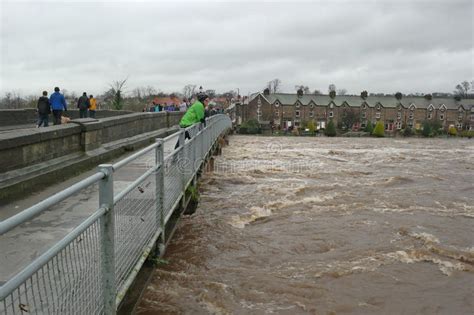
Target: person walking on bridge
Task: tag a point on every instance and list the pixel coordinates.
(93, 106)
(44, 109)
(83, 104)
(58, 103)
(195, 114)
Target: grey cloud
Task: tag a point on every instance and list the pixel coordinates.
(375, 45)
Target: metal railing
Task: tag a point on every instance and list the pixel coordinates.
(92, 267)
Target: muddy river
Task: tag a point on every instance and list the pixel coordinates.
(295, 225)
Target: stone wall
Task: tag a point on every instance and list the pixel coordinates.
(9, 117)
(22, 148)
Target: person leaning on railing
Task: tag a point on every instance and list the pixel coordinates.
(195, 114)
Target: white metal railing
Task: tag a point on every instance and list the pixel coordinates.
(92, 267)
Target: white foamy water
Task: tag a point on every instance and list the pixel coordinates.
(292, 225)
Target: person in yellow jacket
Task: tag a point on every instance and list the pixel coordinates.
(93, 106)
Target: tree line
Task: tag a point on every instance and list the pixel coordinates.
(462, 90)
(117, 96)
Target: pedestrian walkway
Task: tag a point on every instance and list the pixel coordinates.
(28, 241)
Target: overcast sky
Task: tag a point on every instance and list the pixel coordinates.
(379, 46)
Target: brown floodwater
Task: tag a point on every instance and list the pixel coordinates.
(299, 225)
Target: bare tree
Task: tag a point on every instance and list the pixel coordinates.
(303, 88)
(116, 88)
(275, 85)
(341, 92)
(462, 90)
(189, 90)
(317, 92)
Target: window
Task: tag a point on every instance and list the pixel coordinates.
(331, 105)
(459, 125)
(311, 114)
(311, 106)
(441, 116)
(377, 115)
(364, 115)
(410, 124)
(297, 113)
(277, 104)
(378, 107)
(331, 114)
(399, 115)
(460, 115)
(411, 115)
(430, 115)
(399, 125)
(298, 105)
(277, 113)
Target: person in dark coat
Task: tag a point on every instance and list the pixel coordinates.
(44, 109)
(83, 105)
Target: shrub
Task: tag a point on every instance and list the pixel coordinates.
(369, 128)
(250, 127)
(467, 133)
(407, 132)
(452, 131)
(426, 129)
(330, 130)
(311, 127)
(379, 130)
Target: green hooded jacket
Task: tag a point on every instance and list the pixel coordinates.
(193, 115)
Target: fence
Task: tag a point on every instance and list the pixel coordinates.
(92, 267)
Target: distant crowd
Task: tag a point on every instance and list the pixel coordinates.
(182, 107)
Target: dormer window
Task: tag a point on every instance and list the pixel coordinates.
(311, 106)
(378, 107)
(442, 108)
(277, 104)
(298, 104)
(331, 105)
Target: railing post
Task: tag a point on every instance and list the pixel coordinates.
(181, 161)
(107, 230)
(160, 193)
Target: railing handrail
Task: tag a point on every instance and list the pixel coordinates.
(12, 222)
(39, 262)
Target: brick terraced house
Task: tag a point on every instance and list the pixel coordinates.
(286, 110)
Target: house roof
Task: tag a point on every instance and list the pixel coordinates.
(167, 100)
(356, 101)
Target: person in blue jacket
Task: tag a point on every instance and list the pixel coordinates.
(58, 103)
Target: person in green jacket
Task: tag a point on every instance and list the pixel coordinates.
(195, 114)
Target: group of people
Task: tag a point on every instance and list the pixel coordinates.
(56, 104)
(87, 106)
(155, 107)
